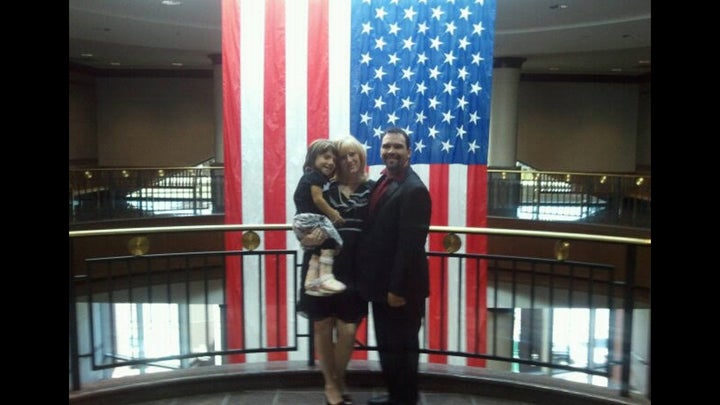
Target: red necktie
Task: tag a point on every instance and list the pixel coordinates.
(378, 192)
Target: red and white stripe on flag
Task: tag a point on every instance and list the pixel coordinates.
(286, 82)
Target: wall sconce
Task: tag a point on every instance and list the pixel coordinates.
(125, 174)
(452, 243)
(562, 250)
(250, 240)
(639, 181)
(88, 174)
(138, 245)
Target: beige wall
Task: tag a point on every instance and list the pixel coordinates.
(644, 127)
(155, 121)
(82, 134)
(571, 126)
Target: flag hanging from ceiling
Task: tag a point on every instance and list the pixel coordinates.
(298, 70)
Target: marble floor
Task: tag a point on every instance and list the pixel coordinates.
(296, 383)
(316, 397)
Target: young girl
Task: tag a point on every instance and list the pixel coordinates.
(313, 213)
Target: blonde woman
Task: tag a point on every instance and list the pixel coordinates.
(340, 314)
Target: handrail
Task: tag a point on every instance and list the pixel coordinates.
(596, 174)
(543, 234)
(285, 227)
(185, 228)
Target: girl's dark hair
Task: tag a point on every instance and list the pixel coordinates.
(317, 148)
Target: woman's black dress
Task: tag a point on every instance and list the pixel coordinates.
(347, 305)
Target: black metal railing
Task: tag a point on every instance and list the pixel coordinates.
(593, 198)
(149, 312)
(101, 194)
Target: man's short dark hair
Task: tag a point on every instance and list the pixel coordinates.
(398, 130)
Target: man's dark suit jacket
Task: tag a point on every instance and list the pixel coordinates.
(391, 255)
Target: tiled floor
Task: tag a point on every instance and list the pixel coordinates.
(310, 397)
(296, 383)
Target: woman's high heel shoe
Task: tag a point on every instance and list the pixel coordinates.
(346, 400)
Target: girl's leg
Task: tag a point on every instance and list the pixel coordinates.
(312, 278)
(328, 283)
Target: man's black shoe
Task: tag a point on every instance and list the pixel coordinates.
(382, 400)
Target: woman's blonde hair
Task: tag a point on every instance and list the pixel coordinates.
(345, 144)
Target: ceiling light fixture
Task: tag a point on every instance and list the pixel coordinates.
(171, 3)
(177, 64)
(558, 6)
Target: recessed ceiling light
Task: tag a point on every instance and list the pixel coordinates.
(558, 6)
(643, 62)
(171, 2)
(616, 70)
(86, 55)
(177, 64)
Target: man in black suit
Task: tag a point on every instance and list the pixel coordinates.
(394, 268)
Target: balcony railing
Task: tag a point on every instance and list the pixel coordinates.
(593, 198)
(142, 312)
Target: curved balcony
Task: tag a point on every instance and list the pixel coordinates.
(154, 314)
(619, 200)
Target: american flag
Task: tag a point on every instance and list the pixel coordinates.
(298, 70)
(426, 67)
